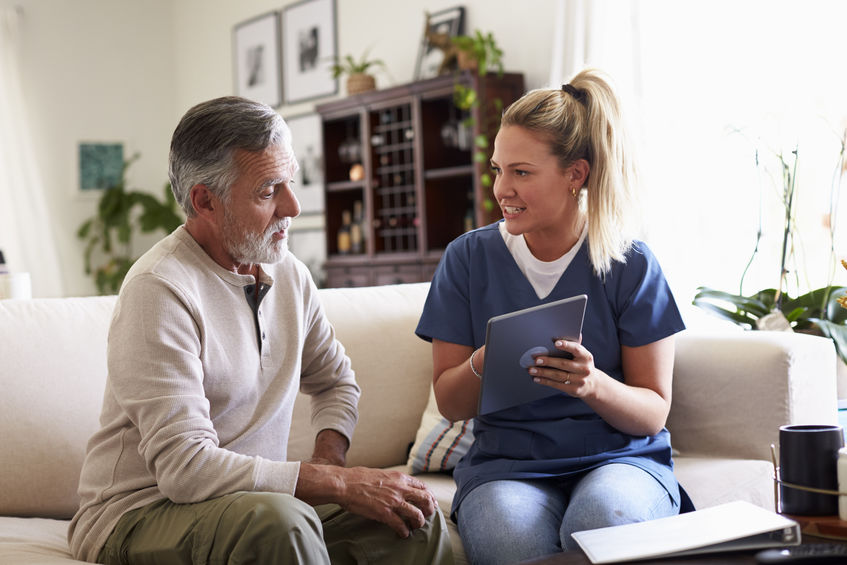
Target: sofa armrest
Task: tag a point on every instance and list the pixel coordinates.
(733, 390)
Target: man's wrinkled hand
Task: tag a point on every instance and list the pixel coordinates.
(391, 497)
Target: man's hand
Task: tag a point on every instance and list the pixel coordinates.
(391, 497)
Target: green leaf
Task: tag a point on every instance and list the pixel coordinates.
(481, 141)
(83, 230)
(753, 304)
(733, 317)
(837, 333)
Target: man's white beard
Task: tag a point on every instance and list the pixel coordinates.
(249, 247)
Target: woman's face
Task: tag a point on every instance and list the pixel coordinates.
(535, 193)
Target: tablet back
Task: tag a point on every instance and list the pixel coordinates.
(513, 341)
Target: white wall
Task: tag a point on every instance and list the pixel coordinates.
(95, 70)
(127, 70)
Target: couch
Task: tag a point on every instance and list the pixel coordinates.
(732, 390)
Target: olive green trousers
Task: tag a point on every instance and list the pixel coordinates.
(266, 528)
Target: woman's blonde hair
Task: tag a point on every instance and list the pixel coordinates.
(583, 120)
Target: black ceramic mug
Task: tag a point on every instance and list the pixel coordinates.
(808, 456)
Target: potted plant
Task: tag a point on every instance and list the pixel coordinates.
(120, 213)
(358, 78)
(478, 53)
(817, 312)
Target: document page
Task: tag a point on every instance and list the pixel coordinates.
(735, 525)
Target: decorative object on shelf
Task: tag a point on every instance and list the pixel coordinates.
(256, 51)
(437, 54)
(120, 213)
(358, 78)
(309, 44)
(478, 52)
(357, 172)
(816, 312)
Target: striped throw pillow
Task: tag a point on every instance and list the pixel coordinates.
(439, 444)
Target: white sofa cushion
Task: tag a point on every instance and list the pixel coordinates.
(50, 405)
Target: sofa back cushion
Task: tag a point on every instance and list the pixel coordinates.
(393, 367)
(52, 377)
(53, 374)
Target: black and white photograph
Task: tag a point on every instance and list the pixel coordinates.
(309, 50)
(307, 142)
(256, 48)
(435, 38)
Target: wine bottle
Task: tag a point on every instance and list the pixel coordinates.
(357, 233)
(344, 243)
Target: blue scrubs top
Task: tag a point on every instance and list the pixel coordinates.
(558, 436)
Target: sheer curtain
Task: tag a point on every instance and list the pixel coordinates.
(26, 235)
(706, 85)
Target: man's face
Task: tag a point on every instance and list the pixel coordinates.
(255, 219)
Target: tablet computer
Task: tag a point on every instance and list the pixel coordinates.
(512, 341)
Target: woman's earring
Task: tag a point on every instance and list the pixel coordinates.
(574, 192)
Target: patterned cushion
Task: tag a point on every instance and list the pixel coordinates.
(439, 444)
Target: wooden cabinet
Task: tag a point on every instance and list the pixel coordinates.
(401, 178)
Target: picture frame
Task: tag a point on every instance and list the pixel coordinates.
(309, 49)
(257, 59)
(450, 21)
(308, 244)
(307, 142)
(101, 165)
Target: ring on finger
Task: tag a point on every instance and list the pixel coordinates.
(568, 379)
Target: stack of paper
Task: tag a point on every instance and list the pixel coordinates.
(727, 527)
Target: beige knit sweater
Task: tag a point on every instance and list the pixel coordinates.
(200, 391)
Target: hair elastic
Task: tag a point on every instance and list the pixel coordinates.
(577, 93)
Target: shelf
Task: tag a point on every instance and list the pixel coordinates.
(345, 185)
(421, 186)
(448, 172)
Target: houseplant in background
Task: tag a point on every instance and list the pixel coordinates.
(817, 312)
(109, 233)
(478, 53)
(358, 78)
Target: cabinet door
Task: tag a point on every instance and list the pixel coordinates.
(395, 206)
(397, 274)
(338, 277)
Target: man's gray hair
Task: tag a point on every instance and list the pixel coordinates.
(205, 140)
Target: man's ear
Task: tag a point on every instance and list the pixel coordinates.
(202, 199)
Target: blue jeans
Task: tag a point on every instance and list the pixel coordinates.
(512, 520)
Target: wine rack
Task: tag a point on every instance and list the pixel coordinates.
(404, 156)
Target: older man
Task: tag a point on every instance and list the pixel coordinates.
(215, 331)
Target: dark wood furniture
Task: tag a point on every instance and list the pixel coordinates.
(403, 156)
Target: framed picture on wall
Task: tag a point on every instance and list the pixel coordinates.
(307, 141)
(256, 53)
(309, 50)
(307, 241)
(101, 165)
(442, 25)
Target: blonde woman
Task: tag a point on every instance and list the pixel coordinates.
(598, 453)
